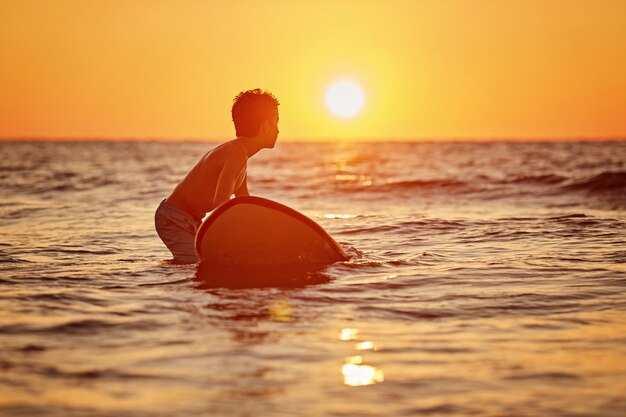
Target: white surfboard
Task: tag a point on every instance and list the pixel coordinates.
(257, 231)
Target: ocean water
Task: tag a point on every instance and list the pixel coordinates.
(485, 279)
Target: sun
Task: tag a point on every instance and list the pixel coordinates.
(344, 98)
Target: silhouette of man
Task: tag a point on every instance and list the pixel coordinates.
(218, 175)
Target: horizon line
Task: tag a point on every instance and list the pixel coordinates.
(329, 139)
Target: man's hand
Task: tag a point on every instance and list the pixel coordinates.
(228, 180)
(242, 191)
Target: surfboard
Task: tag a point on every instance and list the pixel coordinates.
(249, 231)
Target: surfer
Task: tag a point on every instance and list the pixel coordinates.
(218, 175)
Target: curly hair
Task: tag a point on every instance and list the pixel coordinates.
(250, 109)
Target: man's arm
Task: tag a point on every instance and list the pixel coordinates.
(243, 188)
(226, 182)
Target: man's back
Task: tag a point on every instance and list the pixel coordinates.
(198, 192)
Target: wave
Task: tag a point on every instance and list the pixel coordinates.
(82, 184)
(6, 258)
(62, 299)
(78, 327)
(15, 168)
(417, 185)
(408, 227)
(547, 179)
(544, 376)
(412, 184)
(410, 314)
(56, 250)
(605, 181)
(367, 230)
(609, 185)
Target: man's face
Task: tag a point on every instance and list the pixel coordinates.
(272, 129)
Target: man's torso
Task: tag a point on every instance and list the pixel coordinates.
(195, 193)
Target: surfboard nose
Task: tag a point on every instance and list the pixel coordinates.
(257, 231)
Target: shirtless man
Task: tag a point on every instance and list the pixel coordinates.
(218, 174)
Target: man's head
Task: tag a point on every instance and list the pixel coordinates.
(255, 113)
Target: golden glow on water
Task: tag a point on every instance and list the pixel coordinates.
(281, 310)
(530, 336)
(356, 360)
(338, 216)
(355, 372)
(366, 346)
(358, 375)
(349, 334)
(360, 179)
(345, 177)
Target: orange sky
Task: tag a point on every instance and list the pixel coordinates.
(429, 69)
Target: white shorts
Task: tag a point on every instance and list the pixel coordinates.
(177, 229)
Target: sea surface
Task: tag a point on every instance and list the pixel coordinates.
(485, 279)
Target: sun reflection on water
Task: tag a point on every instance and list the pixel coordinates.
(281, 310)
(355, 375)
(356, 360)
(349, 334)
(351, 178)
(366, 346)
(338, 216)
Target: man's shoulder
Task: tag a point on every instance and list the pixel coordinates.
(228, 151)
